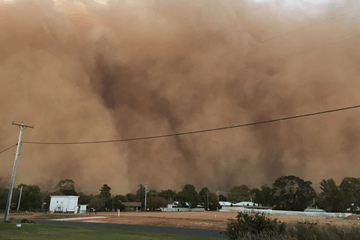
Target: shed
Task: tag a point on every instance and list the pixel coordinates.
(82, 208)
(64, 204)
(134, 205)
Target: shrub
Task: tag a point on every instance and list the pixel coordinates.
(97, 203)
(246, 224)
(26, 221)
(258, 227)
(311, 231)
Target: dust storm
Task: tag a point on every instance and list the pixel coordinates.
(89, 71)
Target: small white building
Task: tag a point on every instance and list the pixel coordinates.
(64, 204)
(82, 208)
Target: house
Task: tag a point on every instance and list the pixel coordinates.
(64, 204)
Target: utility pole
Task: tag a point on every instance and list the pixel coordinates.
(145, 194)
(19, 199)
(207, 201)
(113, 204)
(8, 204)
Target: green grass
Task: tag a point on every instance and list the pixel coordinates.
(39, 232)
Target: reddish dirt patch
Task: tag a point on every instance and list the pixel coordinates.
(353, 217)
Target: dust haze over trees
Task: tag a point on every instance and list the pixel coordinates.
(286, 193)
(83, 71)
(66, 187)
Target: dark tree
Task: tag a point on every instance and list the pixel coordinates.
(239, 193)
(331, 198)
(85, 199)
(168, 195)
(122, 198)
(152, 193)
(30, 198)
(292, 193)
(262, 196)
(109, 203)
(66, 187)
(4, 191)
(189, 195)
(140, 193)
(350, 187)
(155, 202)
(97, 203)
(131, 197)
(213, 201)
(204, 195)
(105, 191)
(115, 202)
(118, 200)
(222, 198)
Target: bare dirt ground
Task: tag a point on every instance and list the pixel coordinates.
(206, 220)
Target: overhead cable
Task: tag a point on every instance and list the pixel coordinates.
(287, 33)
(198, 131)
(8, 148)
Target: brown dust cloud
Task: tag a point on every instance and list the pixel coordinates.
(89, 71)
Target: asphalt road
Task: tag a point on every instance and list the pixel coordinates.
(142, 228)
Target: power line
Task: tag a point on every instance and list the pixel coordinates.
(287, 33)
(8, 148)
(198, 131)
(235, 126)
(312, 49)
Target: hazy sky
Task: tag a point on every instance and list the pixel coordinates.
(84, 71)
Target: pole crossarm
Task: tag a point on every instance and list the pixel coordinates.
(22, 125)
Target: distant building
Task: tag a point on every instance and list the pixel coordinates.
(239, 204)
(176, 208)
(245, 204)
(82, 208)
(225, 204)
(132, 205)
(64, 204)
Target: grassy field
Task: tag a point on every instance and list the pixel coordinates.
(39, 232)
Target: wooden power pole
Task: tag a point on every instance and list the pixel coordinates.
(8, 203)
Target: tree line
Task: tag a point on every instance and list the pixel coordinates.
(293, 193)
(286, 193)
